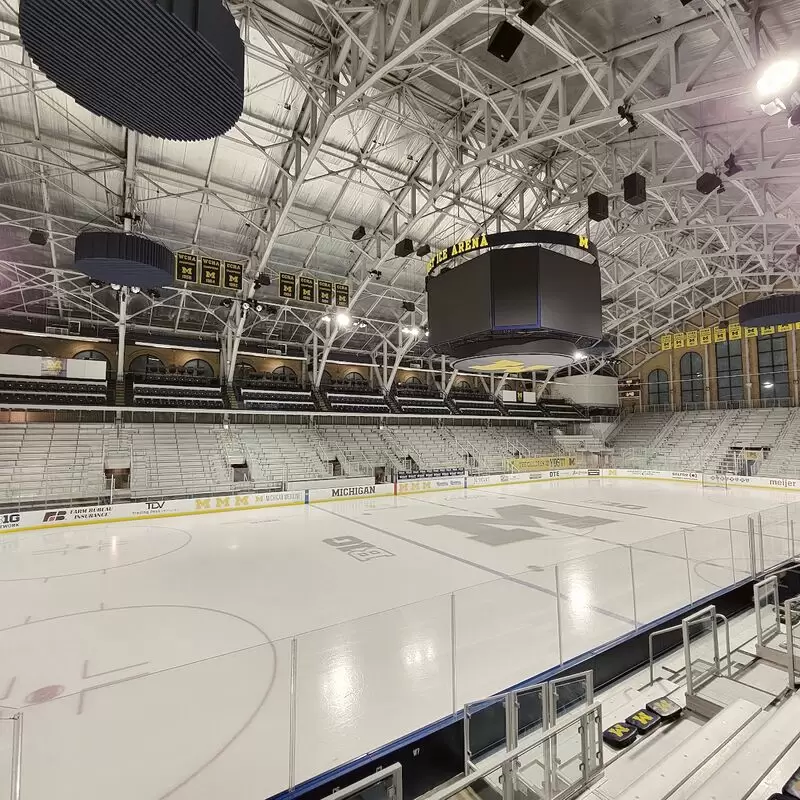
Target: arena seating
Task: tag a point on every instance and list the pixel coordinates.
(49, 391)
(269, 394)
(283, 452)
(174, 459)
(713, 441)
(414, 399)
(515, 409)
(475, 403)
(174, 390)
(560, 409)
(355, 398)
(39, 461)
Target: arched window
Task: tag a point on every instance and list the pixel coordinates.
(91, 355)
(730, 383)
(773, 369)
(28, 350)
(244, 372)
(412, 381)
(658, 388)
(692, 378)
(285, 374)
(146, 364)
(463, 385)
(200, 366)
(354, 377)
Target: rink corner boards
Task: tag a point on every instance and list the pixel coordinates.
(54, 516)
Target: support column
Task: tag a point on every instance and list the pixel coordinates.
(748, 383)
(793, 372)
(122, 328)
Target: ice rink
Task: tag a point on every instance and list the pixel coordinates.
(155, 659)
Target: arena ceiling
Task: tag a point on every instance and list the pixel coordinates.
(392, 115)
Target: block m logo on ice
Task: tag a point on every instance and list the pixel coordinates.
(514, 524)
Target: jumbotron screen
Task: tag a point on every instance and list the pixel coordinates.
(515, 290)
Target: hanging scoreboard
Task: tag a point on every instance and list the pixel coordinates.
(306, 287)
(342, 295)
(325, 293)
(186, 267)
(233, 275)
(287, 286)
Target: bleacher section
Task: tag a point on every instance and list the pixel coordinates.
(176, 459)
(353, 398)
(420, 400)
(475, 403)
(39, 461)
(560, 409)
(269, 394)
(638, 431)
(173, 390)
(19, 390)
(283, 452)
(715, 441)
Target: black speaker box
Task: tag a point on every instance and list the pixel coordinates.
(405, 247)
(598, 206)
(635, 189)
(505, 40)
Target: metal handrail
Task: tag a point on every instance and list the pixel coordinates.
(727, 640)
(492, 765)
(652, 636)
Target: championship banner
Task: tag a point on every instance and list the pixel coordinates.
(210, 271)
(325, 293)
(306, 289)
(342, 295)
(732, 333)
(287, 285)
(544, 462)
(233, 275)
(186, 267)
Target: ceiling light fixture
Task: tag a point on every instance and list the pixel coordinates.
(778, 78)
(116, 287)
(343, 320)
(135, 290)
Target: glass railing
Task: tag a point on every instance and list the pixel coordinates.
(260, 713)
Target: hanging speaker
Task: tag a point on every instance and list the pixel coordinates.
(634, 189)
(598, 206)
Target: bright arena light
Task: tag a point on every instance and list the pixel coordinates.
(415, 331)
(579, 355)
(778, 78)
(343, 320)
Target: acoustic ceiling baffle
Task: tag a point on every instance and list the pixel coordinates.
(170, 70)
